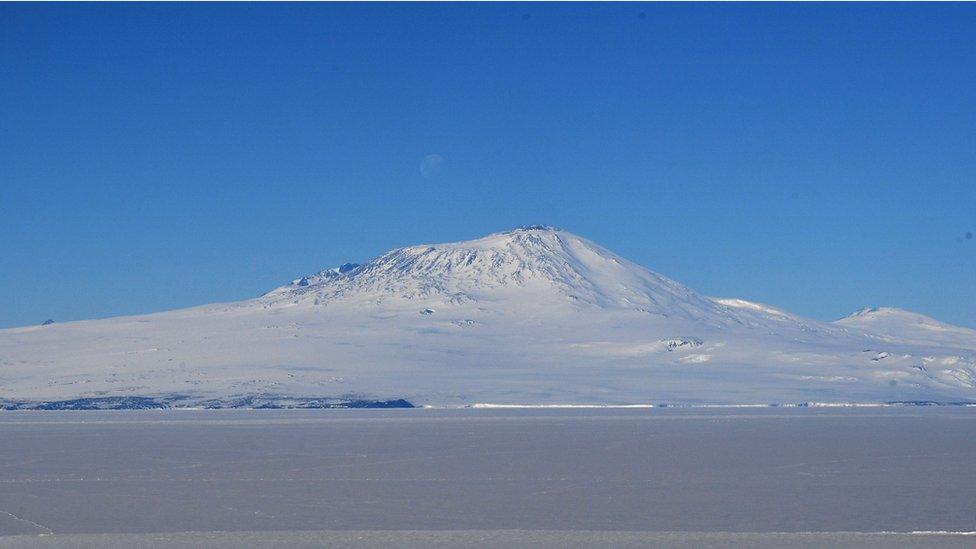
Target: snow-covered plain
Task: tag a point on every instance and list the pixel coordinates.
(535, 315)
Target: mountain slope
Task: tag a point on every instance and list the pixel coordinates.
(532, 315)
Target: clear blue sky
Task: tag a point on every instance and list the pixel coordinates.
(819, 158)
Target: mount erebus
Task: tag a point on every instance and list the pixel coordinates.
(531, 316)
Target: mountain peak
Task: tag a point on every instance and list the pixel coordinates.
(538, 264)
(528, 228)
(876, 311)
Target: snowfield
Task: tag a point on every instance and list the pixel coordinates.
(532, 316)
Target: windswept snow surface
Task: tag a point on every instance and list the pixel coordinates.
(535, 315)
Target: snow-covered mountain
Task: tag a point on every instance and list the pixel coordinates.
(535, 315)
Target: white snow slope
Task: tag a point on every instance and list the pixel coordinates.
(535, 315)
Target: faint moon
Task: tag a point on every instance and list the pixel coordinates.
(432, 165)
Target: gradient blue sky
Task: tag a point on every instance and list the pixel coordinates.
(819, 158)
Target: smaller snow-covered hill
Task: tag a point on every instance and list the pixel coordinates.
(905, 326)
